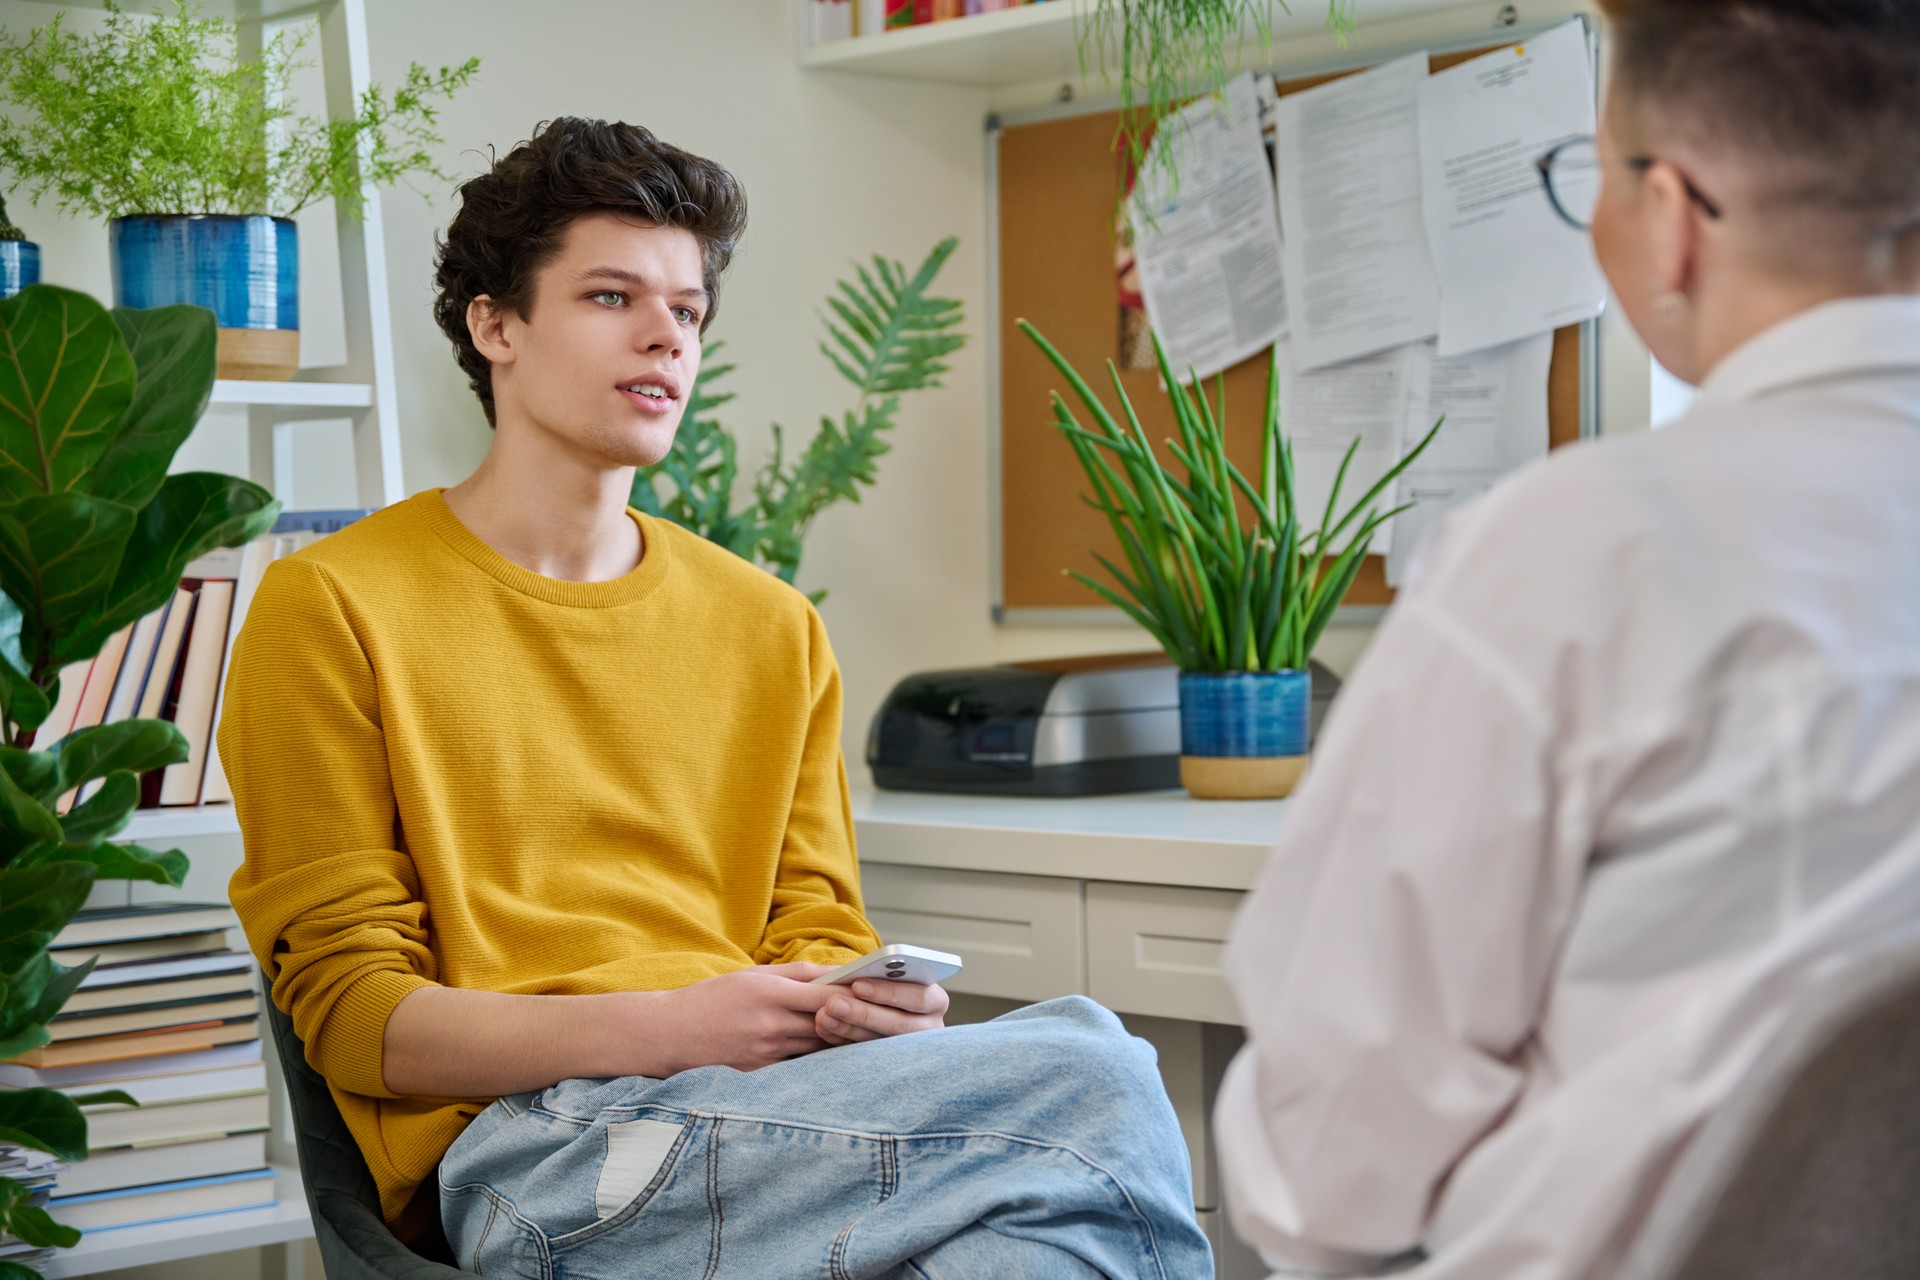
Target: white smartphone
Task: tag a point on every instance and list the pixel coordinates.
(895, 963)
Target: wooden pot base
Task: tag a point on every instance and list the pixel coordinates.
(259, 355)
(1241, 778)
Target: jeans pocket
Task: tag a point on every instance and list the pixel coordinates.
(636, 1152)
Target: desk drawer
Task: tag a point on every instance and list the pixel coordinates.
(1023, 937)
(1156, 949)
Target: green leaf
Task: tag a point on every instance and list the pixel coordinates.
(23, 819)
(57, 984)
(25, 1041)
(35, 904)
(59, 553)
(174, 363)
(22, 701)
(192, 513)
(131, 862)
(66, 380)
(103, 813)
(14, 1271)
(134, 746)
(44, 1119)
(35, 772)
(104, 1097)
(35, 1226)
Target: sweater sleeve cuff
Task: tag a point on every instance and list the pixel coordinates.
(357, 1028)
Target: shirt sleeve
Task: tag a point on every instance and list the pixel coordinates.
(331, 908)
(1392, 959)
(817, 913)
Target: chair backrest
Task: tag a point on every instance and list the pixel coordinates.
(355, 1243)
(1812, 1168)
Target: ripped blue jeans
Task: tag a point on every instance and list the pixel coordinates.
(1040, 1144)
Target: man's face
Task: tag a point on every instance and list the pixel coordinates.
(601, 366)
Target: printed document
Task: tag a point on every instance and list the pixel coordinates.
(1208, 243)
(1359, 275)
(1323, 410)
(1510, 267)
(1495, 406)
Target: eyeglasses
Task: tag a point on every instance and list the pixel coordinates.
(1571, 173)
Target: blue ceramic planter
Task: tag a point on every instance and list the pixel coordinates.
(19, 266)
(246, 270)
(1243, 734)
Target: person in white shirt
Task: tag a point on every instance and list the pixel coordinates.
(1637, 755)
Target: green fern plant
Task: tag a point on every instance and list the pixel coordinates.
(166, 116)
(887, 337)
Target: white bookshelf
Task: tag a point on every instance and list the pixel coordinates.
(151, 825)
(1041, 42)
(360, 390)
(197, 1237)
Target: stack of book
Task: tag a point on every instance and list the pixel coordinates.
(36, 1171)
(169, 1016)
(172, 664)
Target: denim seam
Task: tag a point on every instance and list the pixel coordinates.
(498, 1205)
(889, 1183)
(716, 1211)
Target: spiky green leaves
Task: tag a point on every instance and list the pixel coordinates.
(1218, 590)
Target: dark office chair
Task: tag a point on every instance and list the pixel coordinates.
(1812, 1168)
(355, 1243)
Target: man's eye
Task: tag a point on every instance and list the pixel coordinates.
(609, 297)
(686, 315)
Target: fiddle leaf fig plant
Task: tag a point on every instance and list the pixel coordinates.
(94, 534)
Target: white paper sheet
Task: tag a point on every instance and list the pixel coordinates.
(1495, 406)
(1322, 410)
(1359, 275)
(1209, 254)
(1510, 267)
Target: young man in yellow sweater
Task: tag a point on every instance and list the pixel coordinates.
(547, 832)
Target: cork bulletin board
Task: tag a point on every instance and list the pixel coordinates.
(1055, 184)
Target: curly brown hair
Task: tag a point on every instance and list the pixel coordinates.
(512, 217)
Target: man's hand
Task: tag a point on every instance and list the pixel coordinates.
(872, 1008)
(746, 1019)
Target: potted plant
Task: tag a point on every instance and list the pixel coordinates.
(890, 338)
(93, 534)
(1237, 601)
(19, 257)
(193, 156)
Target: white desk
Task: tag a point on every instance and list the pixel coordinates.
(1127, 899)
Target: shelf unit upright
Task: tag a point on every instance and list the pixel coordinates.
(361, 390)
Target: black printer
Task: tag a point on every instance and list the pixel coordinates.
(1060, 727)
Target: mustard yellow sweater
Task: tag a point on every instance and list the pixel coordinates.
(449, 769)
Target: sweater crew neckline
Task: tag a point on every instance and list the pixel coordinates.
(655, 559)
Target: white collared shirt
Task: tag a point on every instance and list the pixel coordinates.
(1637, 755)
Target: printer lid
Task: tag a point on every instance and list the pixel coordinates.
(1108, 683)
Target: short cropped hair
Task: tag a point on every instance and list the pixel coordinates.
(1820, 99)
(511, 218)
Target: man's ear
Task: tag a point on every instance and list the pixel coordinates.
(487, 324)
(1673, 231)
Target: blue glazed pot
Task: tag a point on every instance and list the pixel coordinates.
(19, 266)
(246, 270)
(1243, 734)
